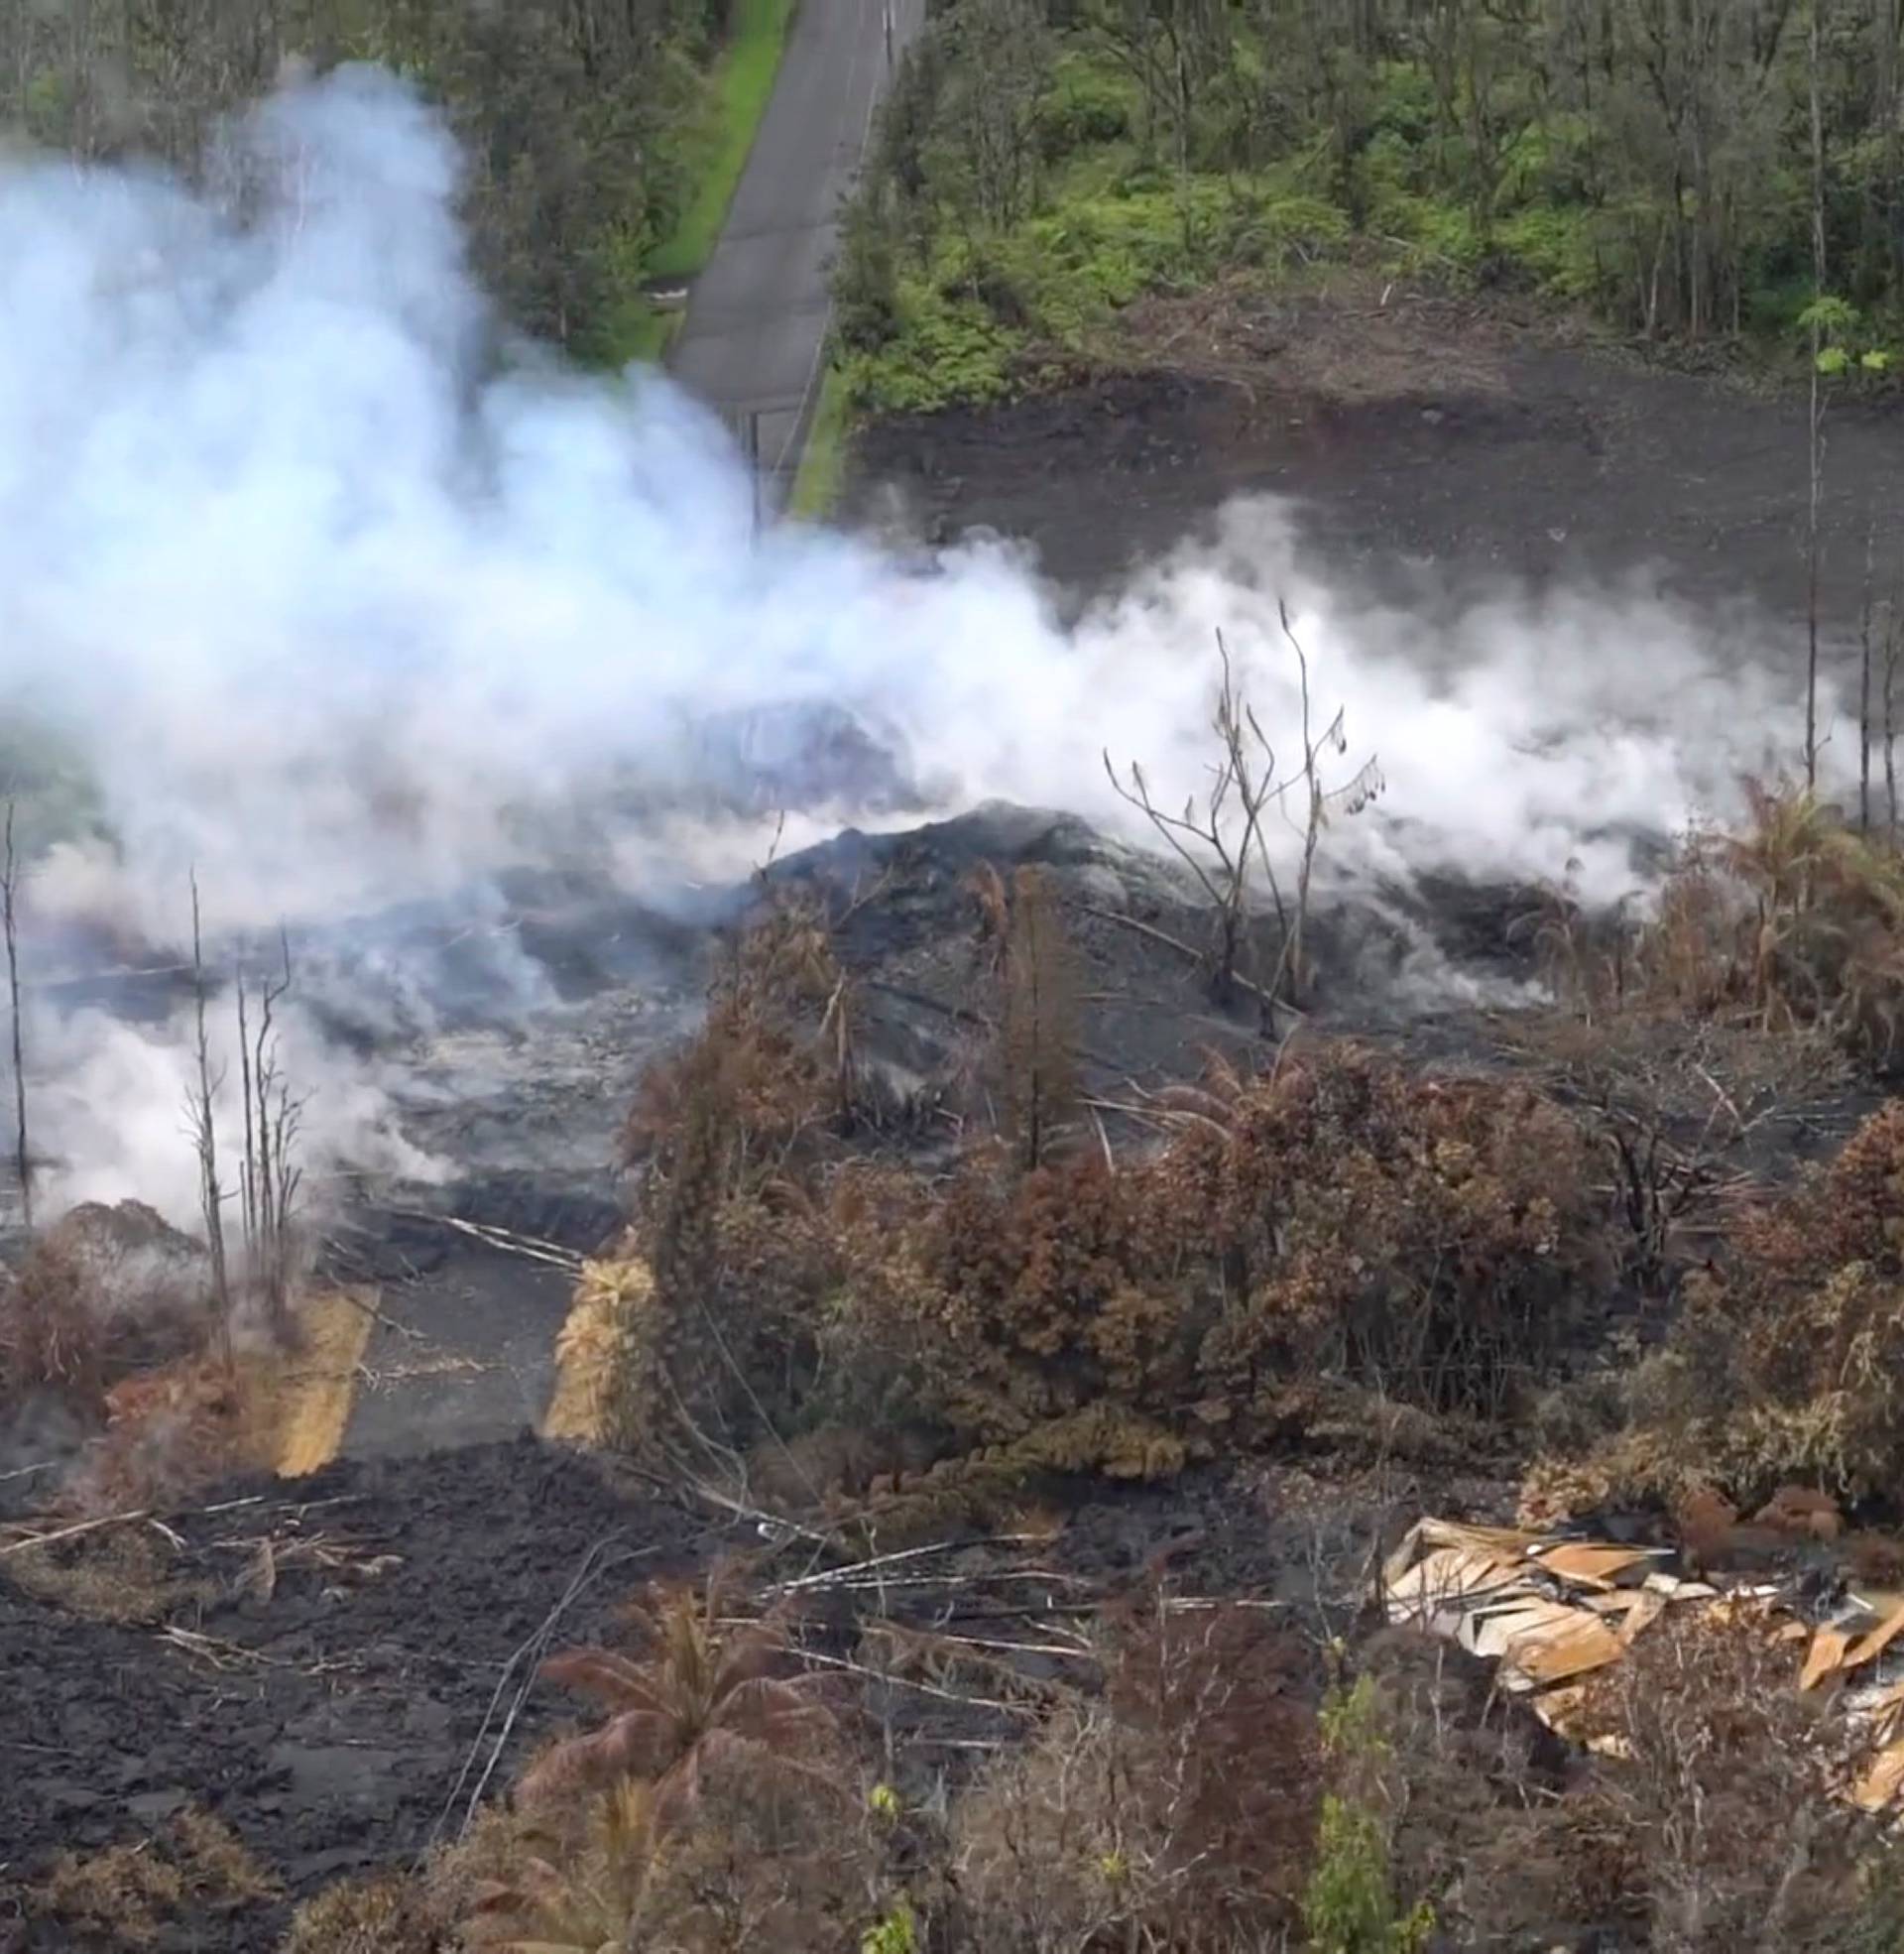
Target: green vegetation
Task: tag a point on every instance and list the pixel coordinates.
(1043, 163)
(743, 82)
(635, 329)
(604, 137)
(1349, 1905)
(822, 472)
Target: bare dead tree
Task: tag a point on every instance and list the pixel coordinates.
(248, 1180)
(273, 1118)
(204, 1129)
(1230, 847)
(1864, 683)
(1891, 646)
(8, 892)
(1217, 841)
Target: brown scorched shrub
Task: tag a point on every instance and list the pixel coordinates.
(1787, 1361)
(1791, 920)
(1178, 1810)
(1339, 1223)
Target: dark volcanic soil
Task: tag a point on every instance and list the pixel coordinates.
(329, 1710)
(323, 1696)
(1428, 434)
(337, 1697)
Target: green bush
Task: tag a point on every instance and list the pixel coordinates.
(866, 280)
(946, 351)
(1085, 106)
(1350, 1905)
(1403, 109)
(1555, 246)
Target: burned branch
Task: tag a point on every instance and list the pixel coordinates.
(202, 1126)
(9, 894)
(1223, 842)
(1228, 828)
(273, 1118)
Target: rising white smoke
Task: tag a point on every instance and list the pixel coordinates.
(343, 602)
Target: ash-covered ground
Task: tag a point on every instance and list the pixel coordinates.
(333, 1710)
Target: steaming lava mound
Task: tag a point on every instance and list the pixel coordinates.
(527, 1112)
(333, 1666)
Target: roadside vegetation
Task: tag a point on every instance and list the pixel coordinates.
(604, 139)
(822, 471)
(1043, 164)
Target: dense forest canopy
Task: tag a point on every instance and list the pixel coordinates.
(579, 116)
(1653, 161)
(1044, 161)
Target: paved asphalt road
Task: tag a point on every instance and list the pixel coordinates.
(757, 315)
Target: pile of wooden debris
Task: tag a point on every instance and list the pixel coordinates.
(1555, 1612)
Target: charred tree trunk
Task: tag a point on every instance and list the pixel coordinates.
(9, 893)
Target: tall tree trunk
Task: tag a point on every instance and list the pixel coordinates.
(1816, 414)
(1864, 728)
(9, 888)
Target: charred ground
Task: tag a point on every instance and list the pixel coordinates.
(326, 1667)
(1431, 444)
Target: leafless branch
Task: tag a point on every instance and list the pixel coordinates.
(1223, 842)
(203, 1130)
(9, 893)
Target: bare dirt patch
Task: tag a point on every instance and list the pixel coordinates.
(1424, 435)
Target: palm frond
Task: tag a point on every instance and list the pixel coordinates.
(609, 1678)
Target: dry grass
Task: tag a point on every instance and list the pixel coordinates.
(386, 1913)
(593, 1345)
(51, 1337)
(174, 1429)
(170, 1432)
(1792, 922)
(218, 1864)
(120, 1574)
(124, 1894)
(104, 1292)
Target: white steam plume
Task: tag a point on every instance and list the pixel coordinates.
(345, 610)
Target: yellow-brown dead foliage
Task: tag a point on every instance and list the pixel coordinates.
(1341, 1219)
(593, 1349)
(123, 1896)
(1791, 920)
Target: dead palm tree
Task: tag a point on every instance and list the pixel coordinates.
(702, 1694)
(589, 1898)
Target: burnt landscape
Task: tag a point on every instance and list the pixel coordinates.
(339, 1670)
(1153, 1203)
